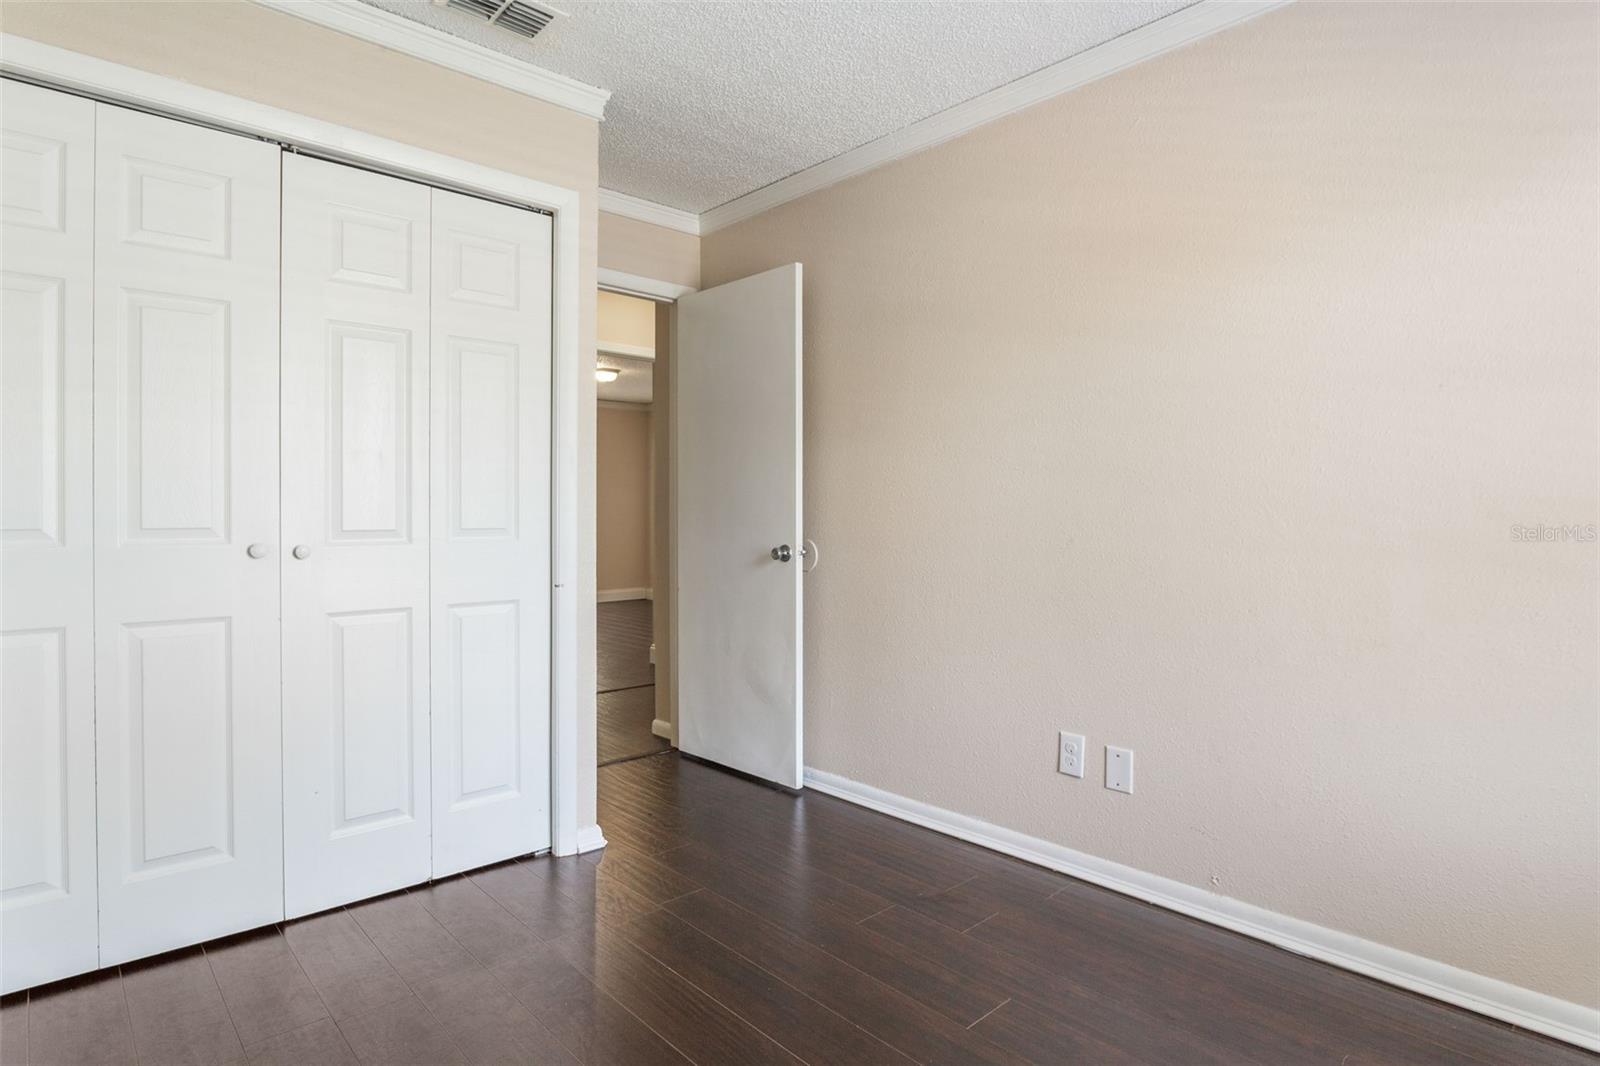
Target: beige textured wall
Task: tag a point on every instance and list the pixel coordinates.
(649, 251)
(622, 498)
(253, 52)
(625, 320)
(1192, 411)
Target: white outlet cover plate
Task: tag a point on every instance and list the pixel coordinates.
(1070, 754)
(1119, 769)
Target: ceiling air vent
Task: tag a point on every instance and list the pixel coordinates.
(518, 16)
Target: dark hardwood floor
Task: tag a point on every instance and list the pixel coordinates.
(622, 645)
(625, 707)
(729, 923)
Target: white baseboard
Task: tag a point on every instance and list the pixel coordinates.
(590, 839)
(1522, 1007)
(661, 729)
(613, 595)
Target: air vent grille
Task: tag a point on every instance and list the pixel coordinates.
(518, 16)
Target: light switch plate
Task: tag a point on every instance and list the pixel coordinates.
(1119, 769)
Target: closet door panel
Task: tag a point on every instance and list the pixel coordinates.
(491, 532)
(47, 849)
(355, 498)
(186, 529)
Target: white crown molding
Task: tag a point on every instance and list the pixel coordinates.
(637, 285)
(1174, 31)
(423, 42)
(1522, 1007)
(620, 203)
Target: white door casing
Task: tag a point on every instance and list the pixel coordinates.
(47, 837)
(355, 504)
(490, 570)
(186, 474)
(737, 411)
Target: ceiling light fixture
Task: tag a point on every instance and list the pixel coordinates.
(606, 374)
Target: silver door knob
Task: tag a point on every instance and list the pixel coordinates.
(256, 551)
(301, 551)
(783, 553)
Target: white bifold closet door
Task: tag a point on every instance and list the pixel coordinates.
(47, 859)
(186, 530)
(491, 532)
(416, 495)
(356, 352)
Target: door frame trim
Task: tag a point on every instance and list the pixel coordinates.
(28, 60)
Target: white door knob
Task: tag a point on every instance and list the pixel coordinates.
(301, 551)
(256, 551)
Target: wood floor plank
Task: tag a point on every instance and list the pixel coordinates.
(348, 970)
(595, 1028)
(799, 1023)
(1151, 1036)
(826, 912)
(1196, 991)
(634, 872)
(82, 1019)
(547, 910)
(177, 1011)
(896, 1019)
(1041, 1037)
(266, 991)
(14, 1028)
(490, 933)
(622, 658)
(691, 1021)
(790, 898)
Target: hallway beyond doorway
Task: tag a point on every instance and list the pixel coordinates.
(626, 704)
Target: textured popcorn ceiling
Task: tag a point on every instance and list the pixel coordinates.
(712, 100)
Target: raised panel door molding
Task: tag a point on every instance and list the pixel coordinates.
(369, 433)
(373, 721)
(34, 182)
(485, 703)
(179, 803)
(175, 394)
(32, 407)
(483, 462)
(37, 767)
(370, 248)
(176, 208)
(483, 269)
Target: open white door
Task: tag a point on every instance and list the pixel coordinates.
(737, 389)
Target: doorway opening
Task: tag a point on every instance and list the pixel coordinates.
(626, 564)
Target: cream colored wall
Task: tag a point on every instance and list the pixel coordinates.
(1193, 411)
(262, 55)
(649, 251)
(625, 320)
(623, 498)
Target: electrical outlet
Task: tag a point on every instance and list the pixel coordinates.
(1119, 769)
(1070, 760)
